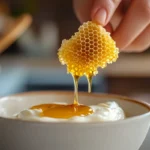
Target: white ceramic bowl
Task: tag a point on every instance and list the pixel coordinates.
(126, 134)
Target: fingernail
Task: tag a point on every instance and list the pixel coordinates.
(100, 16)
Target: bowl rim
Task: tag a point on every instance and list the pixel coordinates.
(120, 97)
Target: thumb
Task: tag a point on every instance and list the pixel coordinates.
(103, 10)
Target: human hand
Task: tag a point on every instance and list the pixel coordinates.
(127, 20)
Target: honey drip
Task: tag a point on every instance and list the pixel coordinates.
(76, 80)
(65, 111)
(89, 79)
(89, 48)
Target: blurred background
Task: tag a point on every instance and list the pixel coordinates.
(30, 63)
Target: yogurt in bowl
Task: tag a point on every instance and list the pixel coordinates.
(22, 134)
(108, 111)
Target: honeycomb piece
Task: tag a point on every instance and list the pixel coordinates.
(89, 48)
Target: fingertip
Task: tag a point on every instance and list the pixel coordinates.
(99, 16)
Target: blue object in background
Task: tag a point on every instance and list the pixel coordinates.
(12, 80)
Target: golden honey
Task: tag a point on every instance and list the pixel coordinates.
(87, 50)
(63, 111)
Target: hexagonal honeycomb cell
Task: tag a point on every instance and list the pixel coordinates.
(87, 50)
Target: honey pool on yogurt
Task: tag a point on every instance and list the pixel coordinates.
(87, 50)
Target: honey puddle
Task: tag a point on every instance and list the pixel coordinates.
(89, 48)
(63, 111)
(66, 111)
